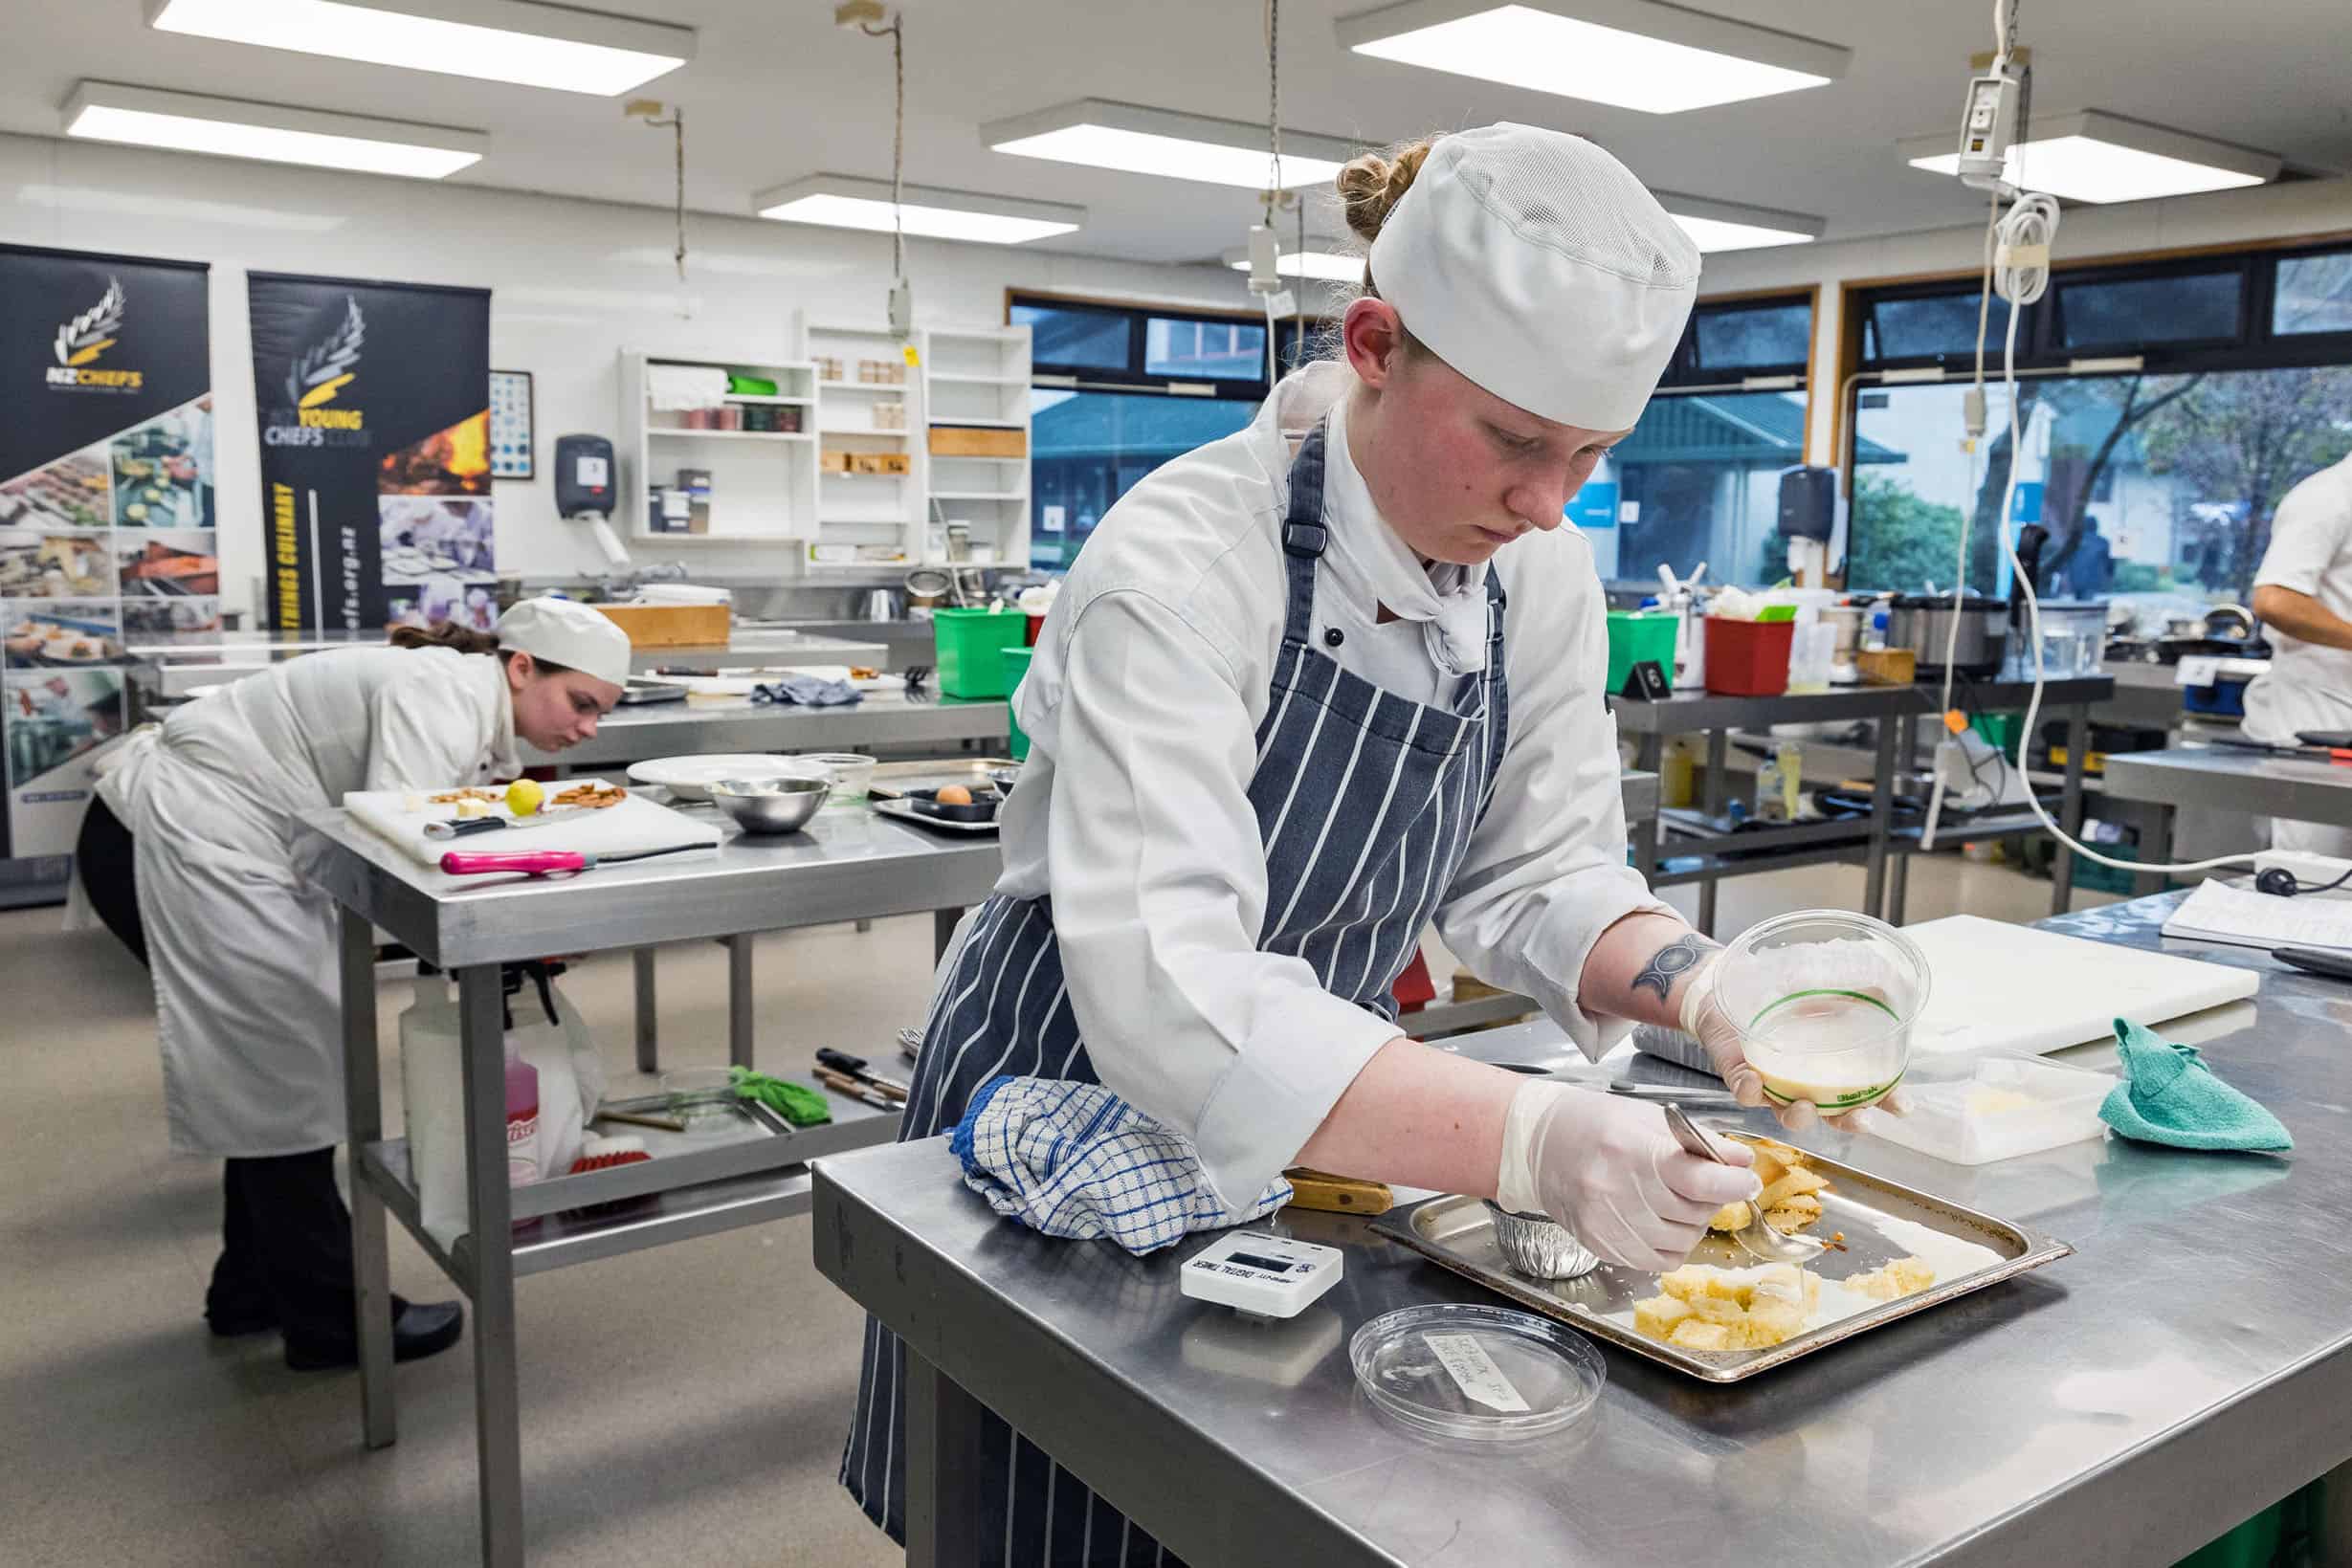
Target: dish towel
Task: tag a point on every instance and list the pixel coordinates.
(2169, 1096)
(808, 691)
(1074, 1160)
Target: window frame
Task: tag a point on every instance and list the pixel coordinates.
(1133, 377)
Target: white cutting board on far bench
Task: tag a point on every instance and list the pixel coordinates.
(635, 823)
(1996, 987)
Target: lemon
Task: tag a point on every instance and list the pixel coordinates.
(523, 797)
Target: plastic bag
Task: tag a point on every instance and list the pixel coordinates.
(571, 1086)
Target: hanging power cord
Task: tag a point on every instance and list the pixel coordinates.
(895, 32)
(645, 109)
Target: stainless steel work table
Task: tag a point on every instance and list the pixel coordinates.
(889, 719)
(2234, 780)
(2191, 1364)
(1894, 709)
(849, 865)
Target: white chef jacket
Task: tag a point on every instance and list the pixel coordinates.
(1141, 705)
(242, 945)
(2308, 686)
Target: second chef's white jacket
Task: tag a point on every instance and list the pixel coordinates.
(1141, 704)
(2308, 686)
(242, 945)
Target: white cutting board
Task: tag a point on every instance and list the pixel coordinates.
(1998, 987)
(635, 823)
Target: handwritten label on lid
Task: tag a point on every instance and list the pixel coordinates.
(1474, 1372)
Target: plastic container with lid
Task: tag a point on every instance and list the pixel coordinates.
(1972, 1110)
(1476, 1373)
(1825, 1002)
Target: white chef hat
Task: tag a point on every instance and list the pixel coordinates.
(569, 634)
(1537, 266)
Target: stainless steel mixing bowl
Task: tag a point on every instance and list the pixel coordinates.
(770, 805)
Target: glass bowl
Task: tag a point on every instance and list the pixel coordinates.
(1825, 1003)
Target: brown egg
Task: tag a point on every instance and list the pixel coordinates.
(954, 795)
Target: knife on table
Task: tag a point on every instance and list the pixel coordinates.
(546, 862)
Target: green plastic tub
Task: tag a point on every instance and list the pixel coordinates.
(1635, 635)
(1016, 666)
(970, 643)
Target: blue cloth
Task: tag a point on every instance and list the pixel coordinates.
(1074, 1160)
(808, 691)
(1401, 786)
(2169, 1096)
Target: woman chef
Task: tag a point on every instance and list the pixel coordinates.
(1290, 707)
(242, 947)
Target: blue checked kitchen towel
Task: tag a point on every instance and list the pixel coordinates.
(1074, 1160)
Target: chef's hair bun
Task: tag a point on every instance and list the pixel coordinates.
(1372, 186)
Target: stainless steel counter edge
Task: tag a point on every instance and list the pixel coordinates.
(1691, 711)
(616, 909)
(1204, 1503)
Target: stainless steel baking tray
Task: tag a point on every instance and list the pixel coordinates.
(893, 780)
(1881, 1221)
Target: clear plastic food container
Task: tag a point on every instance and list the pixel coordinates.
(1998, 1106)
(1825, 1002)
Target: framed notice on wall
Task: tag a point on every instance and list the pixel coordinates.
(510, 424)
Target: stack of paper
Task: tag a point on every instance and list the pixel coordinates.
(2217, 913)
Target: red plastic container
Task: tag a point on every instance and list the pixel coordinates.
(1748, 658)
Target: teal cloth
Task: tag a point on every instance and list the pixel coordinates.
(2169, 1096)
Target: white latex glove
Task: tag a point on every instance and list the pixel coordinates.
(1704, 1019)
(1608, 1169)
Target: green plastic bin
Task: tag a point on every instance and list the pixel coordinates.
(1635, 635)
(969, 643)
(1016, 666)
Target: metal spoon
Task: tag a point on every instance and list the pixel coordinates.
(1759, 1239)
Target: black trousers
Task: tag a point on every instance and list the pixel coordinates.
(285, 1258)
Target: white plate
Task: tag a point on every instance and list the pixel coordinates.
(690, 777)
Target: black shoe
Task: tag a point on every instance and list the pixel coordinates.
(234, 1322)
(419, 1328)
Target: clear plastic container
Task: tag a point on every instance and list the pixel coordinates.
(702, 1098)
(1825, 1002)
(851, 776)
(1476, 1373)
(1977, 1109)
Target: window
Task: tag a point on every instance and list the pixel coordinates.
(2127, 313)
(1120, 391)
(1065, 336)
(2156, 486)
(2313, 295)
(1088, 448)
(1930, 326)
(1198, 351)
(1699, 480)
(2157, 491)
(1746, 338)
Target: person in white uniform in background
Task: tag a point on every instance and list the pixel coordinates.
(192, 853)
(2303, 594)
(1290, 707)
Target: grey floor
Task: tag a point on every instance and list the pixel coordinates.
(682, 1406)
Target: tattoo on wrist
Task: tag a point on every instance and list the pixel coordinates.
(1673, 960)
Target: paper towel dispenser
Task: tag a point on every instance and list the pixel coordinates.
(584, 475)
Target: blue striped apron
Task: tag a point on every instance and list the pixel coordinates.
(1365, 803)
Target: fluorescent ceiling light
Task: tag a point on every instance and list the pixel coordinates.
(1181, 146)
(839, 201)
(496, 40)
(1328, 266)
(228, 127)
(1629, 54)
(1736, 226)
(2099, 157)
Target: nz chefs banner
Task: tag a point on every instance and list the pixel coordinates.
(374, 401)
(106, 514)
